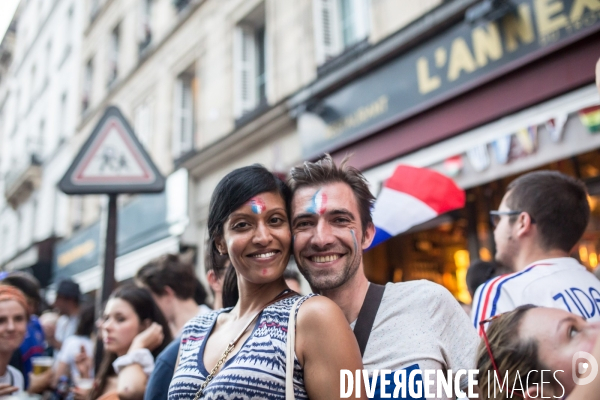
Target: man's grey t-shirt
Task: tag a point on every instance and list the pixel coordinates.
(420, 325)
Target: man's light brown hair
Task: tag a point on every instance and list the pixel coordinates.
(325, 171)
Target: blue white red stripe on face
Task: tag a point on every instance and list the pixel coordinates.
(318, 203)
(257, 205)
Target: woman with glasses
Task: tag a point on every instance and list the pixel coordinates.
(536, 352)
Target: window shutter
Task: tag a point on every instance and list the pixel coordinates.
(327, 29)
(362, 18)
(245, 68)
(176, 132)
(187, 115)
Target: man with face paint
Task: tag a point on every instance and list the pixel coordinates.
(418, 324)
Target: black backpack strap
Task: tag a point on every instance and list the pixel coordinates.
(367, 314)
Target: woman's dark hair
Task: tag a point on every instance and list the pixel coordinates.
(199, 292)
(235, 189)
(146, 309)
(87, 320)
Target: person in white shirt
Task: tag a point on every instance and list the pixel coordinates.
(75, 344)
(416, 325)
(68, 297)
(540, 219)
(13, 326)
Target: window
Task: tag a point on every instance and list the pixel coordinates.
(76, 211)
(87, 85)
(68, 31)
(113, 60)
(32, 85)
(94, 8)
(339, 24)
(250, 62)
(62, 129)
(48, 62)
(184, 105)
(142, 122)
(38, 146)
(180, 4)
(145, 27)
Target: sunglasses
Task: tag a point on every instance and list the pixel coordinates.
(495, 216)
(489, 349)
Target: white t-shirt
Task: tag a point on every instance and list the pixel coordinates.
(71, 348)
(13, 377)
(65, 327)
(557, 283)
(420, 325)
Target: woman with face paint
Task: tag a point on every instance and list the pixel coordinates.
(240, 351)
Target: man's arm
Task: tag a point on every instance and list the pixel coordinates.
(164, 368)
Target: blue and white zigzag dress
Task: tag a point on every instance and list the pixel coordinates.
(257, 371)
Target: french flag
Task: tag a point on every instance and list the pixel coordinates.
(410, 197)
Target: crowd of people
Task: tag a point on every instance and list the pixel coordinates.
(158, 337)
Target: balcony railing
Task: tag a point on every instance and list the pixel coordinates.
(23, 180)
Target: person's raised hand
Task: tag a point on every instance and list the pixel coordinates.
(83, 362)
(150, 338)
(7, 389)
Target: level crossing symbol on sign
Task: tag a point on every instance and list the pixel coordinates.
(112, 160)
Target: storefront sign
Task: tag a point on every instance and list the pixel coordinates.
(451, 63)
(142, 221)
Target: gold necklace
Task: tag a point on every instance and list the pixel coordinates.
(231, 345)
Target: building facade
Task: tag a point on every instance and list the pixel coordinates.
(500, 89)
(205, 85)
(479, 90)
(38, 118)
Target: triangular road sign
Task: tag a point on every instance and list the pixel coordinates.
(112, 160)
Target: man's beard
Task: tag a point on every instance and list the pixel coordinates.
(322, 280)
(507, 257)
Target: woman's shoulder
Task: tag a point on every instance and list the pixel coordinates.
(203, 321)
(317, 307)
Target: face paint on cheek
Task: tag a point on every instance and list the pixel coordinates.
(318, 203)
(354, 241)
(257, 205)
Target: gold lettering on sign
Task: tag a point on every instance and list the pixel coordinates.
(441, 56)
(579, 6)
(549, 16)
(361, 115)
(76, 253)
(460, 59)
(426, 83)
(518, 27)
(487, 44)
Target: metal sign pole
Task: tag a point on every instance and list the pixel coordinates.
(110, 250)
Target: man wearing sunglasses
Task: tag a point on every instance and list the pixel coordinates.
(540, 219)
